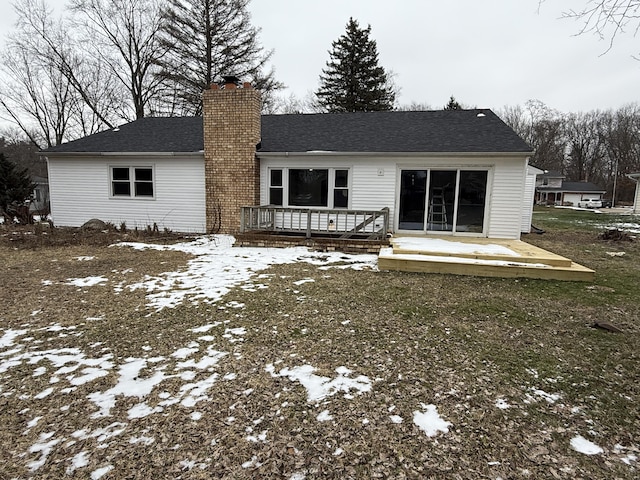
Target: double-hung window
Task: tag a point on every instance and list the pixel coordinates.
(132, 182)
(309, 187)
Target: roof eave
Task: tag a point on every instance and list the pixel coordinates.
(121, 154)
(393, 154)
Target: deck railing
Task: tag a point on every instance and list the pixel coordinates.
(337, 223)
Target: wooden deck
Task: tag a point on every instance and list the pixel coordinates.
(481, 257)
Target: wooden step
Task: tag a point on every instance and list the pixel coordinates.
(485, 257)
(456, 265)
(477, 248)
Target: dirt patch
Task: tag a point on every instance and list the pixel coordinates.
(616, 235)
(44, 235)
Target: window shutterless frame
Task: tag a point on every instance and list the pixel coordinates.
(309, 187)
(132, 182)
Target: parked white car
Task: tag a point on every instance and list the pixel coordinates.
(590, 203)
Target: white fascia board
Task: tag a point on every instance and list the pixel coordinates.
(121, 154)
(393, 154)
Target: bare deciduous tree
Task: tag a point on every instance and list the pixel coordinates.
(607, 18)
(123, 35)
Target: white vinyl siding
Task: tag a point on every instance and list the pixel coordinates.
(80, 189)
(375, 182)
(505, 215)
(527, 199)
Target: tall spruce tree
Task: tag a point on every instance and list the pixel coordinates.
(453, 104)
(353, 81)
(15, 184)
(205, 40)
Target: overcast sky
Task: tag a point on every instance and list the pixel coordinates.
(488, 53)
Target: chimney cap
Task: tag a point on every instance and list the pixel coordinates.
(231, 79)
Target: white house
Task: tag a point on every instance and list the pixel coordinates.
(553, 189)
(459, 172)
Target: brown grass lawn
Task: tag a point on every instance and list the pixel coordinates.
(513, 366)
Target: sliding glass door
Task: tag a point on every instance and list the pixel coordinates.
(413, 188)
(442, 200)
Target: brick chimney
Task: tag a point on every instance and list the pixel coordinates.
(231, 122)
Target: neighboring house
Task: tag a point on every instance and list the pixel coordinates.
(636, 198)
(40, 197)
(460, 172)
(552, 189)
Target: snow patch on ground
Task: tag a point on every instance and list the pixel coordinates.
(626, 226)
(582, 445)
(86, 281)
(318, 387)
(429, 421)
(218, 267)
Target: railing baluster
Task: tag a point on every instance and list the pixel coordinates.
(373, 224)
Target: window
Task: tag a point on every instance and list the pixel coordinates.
(132, 181)
(308, 187)
(341, 189)
(275, 187)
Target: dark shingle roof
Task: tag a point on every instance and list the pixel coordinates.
(434, 131)
(581, 187)
(150, 134)
(575, 187)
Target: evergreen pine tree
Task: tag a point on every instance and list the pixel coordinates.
(205, 40)
(15, 185)
(453, 104)
(353, 81)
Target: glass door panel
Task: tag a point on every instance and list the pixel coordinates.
(471, 201)
(413, 188)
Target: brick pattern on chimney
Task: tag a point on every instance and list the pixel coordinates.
(231, 122)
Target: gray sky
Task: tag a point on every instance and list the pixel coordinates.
(488, 53)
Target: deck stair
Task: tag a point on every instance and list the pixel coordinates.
(479, 257)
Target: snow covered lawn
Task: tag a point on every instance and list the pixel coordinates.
(200, 360)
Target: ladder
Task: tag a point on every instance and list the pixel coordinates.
(437, 210)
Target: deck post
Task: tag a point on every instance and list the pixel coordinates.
(242, 220)
(308, 223)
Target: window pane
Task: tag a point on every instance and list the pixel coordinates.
(276, 178)
(120, 173)
(342, 177)
(144, 175)
(341, 198)
(122, 188)
(144, 189)
(308, 188)
(275, 196)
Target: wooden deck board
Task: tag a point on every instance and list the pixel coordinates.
(529, 261)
